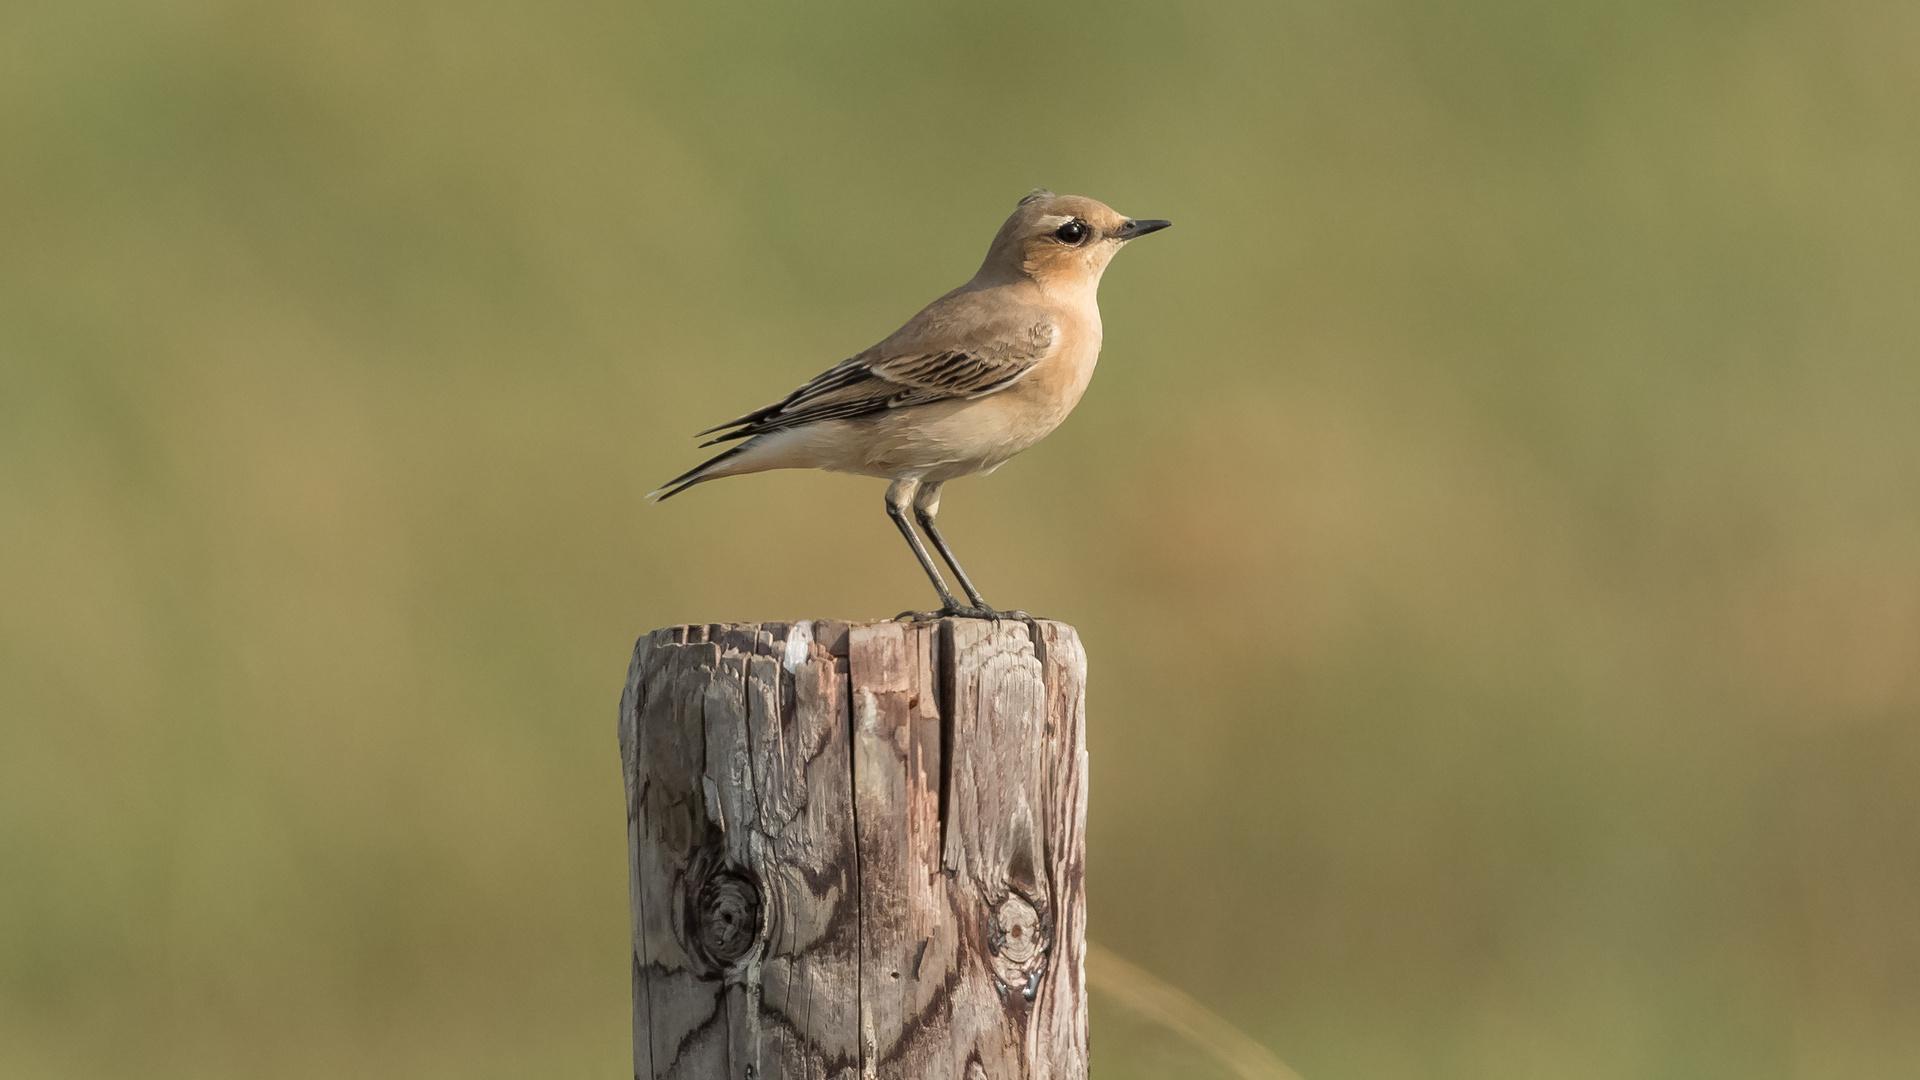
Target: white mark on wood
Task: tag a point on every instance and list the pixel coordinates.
(869, 1046)
(799, 642)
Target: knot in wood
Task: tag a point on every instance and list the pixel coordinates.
(1017, 936)
(1016, 930)
(725, 920)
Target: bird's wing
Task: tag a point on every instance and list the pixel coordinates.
(925, 362)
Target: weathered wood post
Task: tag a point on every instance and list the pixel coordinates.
(856, 850)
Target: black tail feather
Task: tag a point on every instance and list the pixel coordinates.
(695, 475)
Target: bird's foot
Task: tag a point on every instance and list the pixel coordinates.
(961, 611)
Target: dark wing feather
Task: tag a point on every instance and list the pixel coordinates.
(875, 382)
(837, 377)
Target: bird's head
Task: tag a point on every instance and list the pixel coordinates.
(1063, 240)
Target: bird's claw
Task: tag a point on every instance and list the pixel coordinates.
(961, 611)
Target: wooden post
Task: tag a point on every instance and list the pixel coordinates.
(856, 850)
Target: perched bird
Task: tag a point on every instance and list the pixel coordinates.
(976, 377)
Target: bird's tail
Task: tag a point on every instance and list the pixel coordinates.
(709, 469)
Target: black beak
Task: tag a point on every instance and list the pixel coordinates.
(1135, 228)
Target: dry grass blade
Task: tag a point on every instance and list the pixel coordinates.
(1138, 990)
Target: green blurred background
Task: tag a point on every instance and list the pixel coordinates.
(1495, 524)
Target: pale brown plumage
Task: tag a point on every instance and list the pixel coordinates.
(976, 377)
(898, 374)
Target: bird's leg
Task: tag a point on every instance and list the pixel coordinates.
(898, 495)
(926, 505)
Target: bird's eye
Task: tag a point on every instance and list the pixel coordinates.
(1071, 233)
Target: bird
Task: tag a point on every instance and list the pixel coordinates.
(974, 378)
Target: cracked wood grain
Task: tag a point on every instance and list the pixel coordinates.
(857, 850)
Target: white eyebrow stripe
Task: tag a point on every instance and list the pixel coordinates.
(1054, 221)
